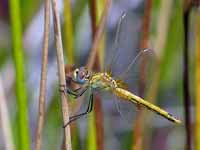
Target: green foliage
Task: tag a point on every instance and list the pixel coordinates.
(174, 45)
(171, 72)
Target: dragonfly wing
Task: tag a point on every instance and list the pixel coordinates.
(122, 43)
(127, 111)
(138, 76)
(130, 66)
(139, 73)
(112, 54)
(123, 112)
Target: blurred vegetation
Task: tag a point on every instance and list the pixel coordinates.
(197, 80)
(20, 64)
(22, 135)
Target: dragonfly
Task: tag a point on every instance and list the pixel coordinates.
(106, 82)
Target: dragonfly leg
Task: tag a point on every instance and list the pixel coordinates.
(64, 89)
(73, 92)
(77, 93)
(89, 109)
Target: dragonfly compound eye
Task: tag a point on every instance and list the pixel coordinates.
(81, 75)
(75, 74)
(76, 71)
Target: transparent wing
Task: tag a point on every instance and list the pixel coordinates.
(127, 111)
(138, 76)
(112, 53)
(129, 64)
(123, 43)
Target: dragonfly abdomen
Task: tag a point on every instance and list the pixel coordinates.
(126, 95)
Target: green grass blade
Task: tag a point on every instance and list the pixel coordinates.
(91, 139)
(18, 58)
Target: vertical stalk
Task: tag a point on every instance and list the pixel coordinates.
(92, 130)
(186, 92)
(21, 93)
(70, 52)
(61, 74)
(91, 139)
(95, 136)
(138, 139)
(69, 39)
(99, 123)
(97, 29)
(197, 82)
(97, 66)
(42, 96)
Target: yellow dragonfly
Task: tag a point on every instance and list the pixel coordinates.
(104, 81)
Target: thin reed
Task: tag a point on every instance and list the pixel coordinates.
(42, 97)
(197, 81)
(61, 75)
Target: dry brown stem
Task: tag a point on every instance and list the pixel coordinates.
(61, 74)
(43, 76)
(138, 139)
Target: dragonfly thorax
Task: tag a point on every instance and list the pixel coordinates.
(102, 81)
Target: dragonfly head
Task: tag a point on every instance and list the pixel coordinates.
(81, 75)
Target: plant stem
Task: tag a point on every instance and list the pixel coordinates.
(98, 25)
(68, 32)
(197, 82)
(92, 129)
(61, 74)
(138, 139)
(186, 92)
(43, 75)
(21, 93)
